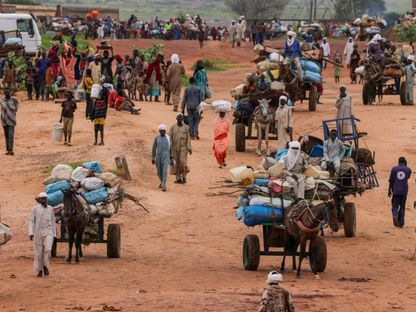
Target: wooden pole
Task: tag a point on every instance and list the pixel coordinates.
(122, 167)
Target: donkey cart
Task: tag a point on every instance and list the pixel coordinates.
(113, 240)
(273, 237)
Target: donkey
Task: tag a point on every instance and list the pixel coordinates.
(76, 219)
(263, 117)
(303, 223)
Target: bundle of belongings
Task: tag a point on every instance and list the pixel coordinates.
(365, 26)
(100, 193)
(5, 234)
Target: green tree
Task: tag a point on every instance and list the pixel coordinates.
(257, 8)
(356, 8)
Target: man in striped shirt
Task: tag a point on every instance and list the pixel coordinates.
(9, 108)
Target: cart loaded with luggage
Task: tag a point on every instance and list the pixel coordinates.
(272, 80)
(267, 196)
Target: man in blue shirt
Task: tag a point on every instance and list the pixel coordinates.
(398, 187)
(191, 100)
(293, 52)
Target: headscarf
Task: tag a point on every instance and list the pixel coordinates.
(179, 114)
(283, 97)
(274, 277)
(376, 38)
(119, 59)
(174, 59)
(163, 127)
(292, 154)
(292, 40)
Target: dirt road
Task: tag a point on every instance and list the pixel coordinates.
(187, 254)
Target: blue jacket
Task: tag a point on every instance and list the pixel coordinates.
(398, 179)
(293, 51)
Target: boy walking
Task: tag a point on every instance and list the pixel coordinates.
(98, 114)
(67, 117)
(9, 108)
(191, 100)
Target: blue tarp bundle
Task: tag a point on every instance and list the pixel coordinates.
(55, 198)
(311, 76)
(93, 166)
(255, 215)
(311, 66)
(63, 186)
(96, 196)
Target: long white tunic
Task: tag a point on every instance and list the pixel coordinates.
(42, 227)
(344, 106)
(349, 48)
(284, 120)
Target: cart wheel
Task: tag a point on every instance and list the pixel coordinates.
(318, 254)
(403, 93)
(113, 241)
(349, 220)
(240, 137)
(54, 246)
(368, 93)
(251, 252)
(313, 97)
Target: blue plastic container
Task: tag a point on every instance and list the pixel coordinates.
(255, 215)
(317, 151)
(63, 186)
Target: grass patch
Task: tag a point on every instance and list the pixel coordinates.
(47, 41)
(213, 65)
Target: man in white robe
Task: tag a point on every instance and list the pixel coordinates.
(295, 164)
(42, 232)
(344, 106)
(349, 48)
(284, 123)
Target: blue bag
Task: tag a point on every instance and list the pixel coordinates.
(93, 166)
(63, 186)
(261, 182)
(55, 198)
(280, 153)
(311, 76)
(255, 215)
(308, 65)
(96, 196)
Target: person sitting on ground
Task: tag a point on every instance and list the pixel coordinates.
(333, 153)
(276, 298)
(295, 164)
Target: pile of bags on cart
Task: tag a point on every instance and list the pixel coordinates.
(96, 190)
(267, 192)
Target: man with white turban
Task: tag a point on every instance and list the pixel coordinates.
(349, 48)
(174, 78)
(293, 52)
(375, 51)
(42, 232)
(410, 72)
(181, 147)
(326, 50)
(295, 164)
(283, 119)
(162, 156)
(276, 298)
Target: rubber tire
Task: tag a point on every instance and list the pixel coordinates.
(54, 247)
(403, 93)
(367, 94)
(240, 137)
(113, 241)
(313, 98)
(251, 252)
(349, 220)
(318, 255)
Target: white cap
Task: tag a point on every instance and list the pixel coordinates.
(283, 97)
(274, 277)
(163, 127)
(43, 195)
(291, 33)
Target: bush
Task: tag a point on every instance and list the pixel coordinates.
(406, 33)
